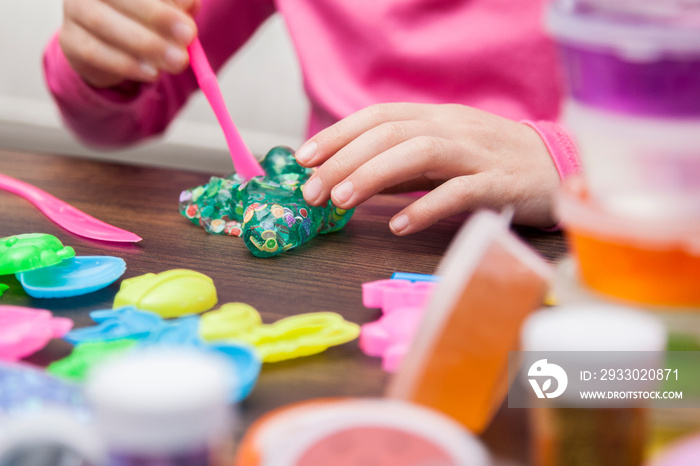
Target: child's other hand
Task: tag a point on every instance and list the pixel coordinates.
(109, 41)
(466, 157)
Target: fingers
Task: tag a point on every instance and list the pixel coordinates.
(356, 153)
(129, 37)
(386, 155)
(426, 157)
(99, 63)
(190, 6)
(469, 158)
(113, 40)
(167, 19)
(330, 140)
(460, 194)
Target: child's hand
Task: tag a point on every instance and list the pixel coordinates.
(468, 158)
(109, 41)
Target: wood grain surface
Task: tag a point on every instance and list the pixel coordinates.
(323, 275)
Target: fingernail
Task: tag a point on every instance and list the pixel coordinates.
(183, 32)
(399, 224)
(312, 189)
(306, 152)
(175, 57)
(148, 70)
(343, 192)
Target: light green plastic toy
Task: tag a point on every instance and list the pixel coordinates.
(3, 288)
(172, 293)
(31, 251)
(288, 338)
(85, 356)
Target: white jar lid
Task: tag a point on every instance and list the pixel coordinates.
(593, 327)
(160, 399)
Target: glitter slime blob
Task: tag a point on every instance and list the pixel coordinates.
(268, 211)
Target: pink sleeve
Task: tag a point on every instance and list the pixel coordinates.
(560, 146)
(133, 111)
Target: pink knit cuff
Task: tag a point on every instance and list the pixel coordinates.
(560, 145)
(561, 148)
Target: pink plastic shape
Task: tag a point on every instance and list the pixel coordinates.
(389, 295)
(24, 331)
(391, 336)
(244, 162)
(65, 215)
(403, 304)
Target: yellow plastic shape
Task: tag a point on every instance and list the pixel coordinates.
(300, 335)
(172, 293)
(288, 338)
(229, 321)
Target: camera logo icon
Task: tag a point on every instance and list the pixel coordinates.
(546, 372)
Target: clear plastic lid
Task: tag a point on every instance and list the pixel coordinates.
(634, 28)
(580, 213)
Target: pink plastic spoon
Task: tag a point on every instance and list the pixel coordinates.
(243, 160)
(65, 215)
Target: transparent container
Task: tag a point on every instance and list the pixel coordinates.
(565, 431)
(639, 168)
(631, 57)
(654, 263)
(632, 72)
(162, 405)
(683, 326)
(458, 360)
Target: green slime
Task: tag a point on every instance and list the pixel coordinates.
(268, 211)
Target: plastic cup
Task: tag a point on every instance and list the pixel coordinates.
(649, 262)
(632, 73)
(640, 168)
(165, 405)
(567, 432)
(458, 361)
(634, 57)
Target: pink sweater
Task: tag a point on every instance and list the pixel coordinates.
(489, 54)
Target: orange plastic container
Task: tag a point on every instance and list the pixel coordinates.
(353, 431)
(643, 261)
(458, 362)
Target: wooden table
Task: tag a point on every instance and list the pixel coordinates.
(323, 275)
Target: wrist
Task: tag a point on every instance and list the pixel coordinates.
(560, 146)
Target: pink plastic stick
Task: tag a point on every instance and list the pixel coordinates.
(63, 214)
(243, 160)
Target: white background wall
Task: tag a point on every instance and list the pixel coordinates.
(261, 85)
